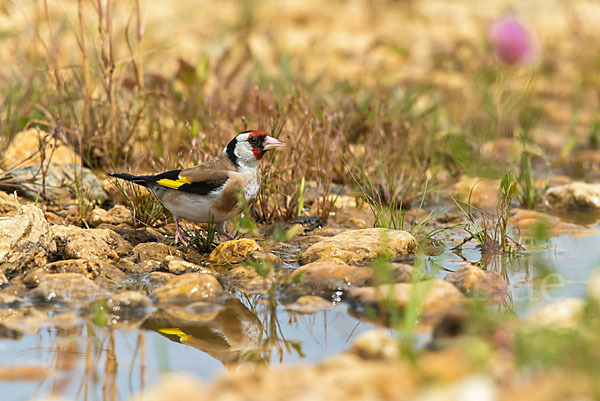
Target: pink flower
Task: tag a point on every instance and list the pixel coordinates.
(512, 42)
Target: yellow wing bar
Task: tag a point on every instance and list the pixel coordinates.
(173, 331)
(175, 184)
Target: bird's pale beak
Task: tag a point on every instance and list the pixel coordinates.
(272, 143)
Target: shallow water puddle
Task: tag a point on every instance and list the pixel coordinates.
(94, 363)
(539, 275)
(86, 362)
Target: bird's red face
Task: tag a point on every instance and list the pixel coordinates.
(248, 147)
(261, 143)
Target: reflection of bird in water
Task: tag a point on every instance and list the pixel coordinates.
(227, 331)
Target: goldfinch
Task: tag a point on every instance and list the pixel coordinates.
(211, 190)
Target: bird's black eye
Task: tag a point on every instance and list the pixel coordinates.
(253, 140)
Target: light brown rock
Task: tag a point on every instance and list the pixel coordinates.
(134, 236)
(25, 240)
(574, 196)
(527, 221)
(375, 344)
(396, 272)
(233, 252)
(127, 265)
(559, 314)
(155, 251)
(309, 304)
(119, 214)
(345, 202)
(160, 278)
(324, 276)
(57, 180)
(9, 202)
(24, 150)
(174, 387)
(67, 287)
(188, 288)
(438, 297)
(176, 265)
(333, 271)
(360, 246)
(353, 217)
(473, 280)
(78, 243)
(101, 271)
(342, 377)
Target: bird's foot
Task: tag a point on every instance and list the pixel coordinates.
(228, 236)
(222, 231)
(179, 236)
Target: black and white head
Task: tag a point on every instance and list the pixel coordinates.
(248, 147)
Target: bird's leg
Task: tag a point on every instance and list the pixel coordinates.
(220, 229)
(179, 235)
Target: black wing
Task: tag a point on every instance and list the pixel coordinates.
(171, 179)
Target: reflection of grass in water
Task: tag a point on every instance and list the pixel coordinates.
(273, 341)
(100, 347)
(403, 320)
(162, 354)
(491, 231)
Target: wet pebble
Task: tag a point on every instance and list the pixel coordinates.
(331, 273)
(360, 246)
(439, 296)
(473, 280)
(375, 344)
(574, 196)
(58, 181)
(237, 251)
(71, 288)
(176, 265)
(528, 221)
(98, 270)
(119, 214)
(128, 265)
(25, 240)
(160, 278)
(150, 251)
(77, 243)
(233, 252)
(188, 288)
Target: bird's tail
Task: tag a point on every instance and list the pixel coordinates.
(136, 179)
